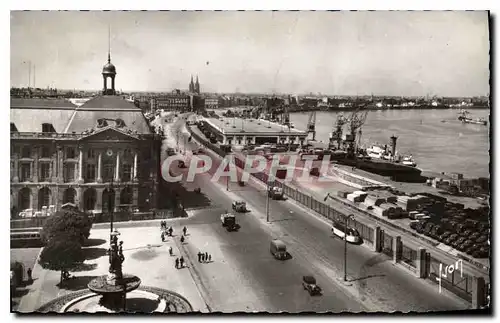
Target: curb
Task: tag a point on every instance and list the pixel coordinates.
(195, 276)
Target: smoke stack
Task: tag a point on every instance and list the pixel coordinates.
(393, 145)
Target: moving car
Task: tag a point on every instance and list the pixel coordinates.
(239, 206)
(229, 221)
(278, 250)
(309, 284)
(276, 193)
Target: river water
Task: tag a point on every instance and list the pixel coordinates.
(436, 146)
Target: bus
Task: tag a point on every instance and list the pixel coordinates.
(25, 239)
(338, 229)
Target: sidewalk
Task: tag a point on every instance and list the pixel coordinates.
(221, 278)
(145, 256)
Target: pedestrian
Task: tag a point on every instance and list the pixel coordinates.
(209, 258)
(170, 251)
(199, 256)
(163, 236)
(206, 256)
(182, 239)
(30, 279)
(176, 263)
(182, 262)
(184, 230)
(202, 256)
(170, 230)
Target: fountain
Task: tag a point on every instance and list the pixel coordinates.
(114, 286)
(117, 292)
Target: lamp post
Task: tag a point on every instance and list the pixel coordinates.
(267, 201)
(346, 218)
(110, 202)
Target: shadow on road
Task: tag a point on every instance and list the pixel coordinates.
(94, 253)
(94, 242)
(366, 277)
(84, 267)
(174, 193)
(76, 283)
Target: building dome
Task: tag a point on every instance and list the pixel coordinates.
(109, 68)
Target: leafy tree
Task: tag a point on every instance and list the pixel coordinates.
(62, 253)
(69, 222)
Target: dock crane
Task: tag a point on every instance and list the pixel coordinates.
(356, 121)
(311, 124)
(336, 135)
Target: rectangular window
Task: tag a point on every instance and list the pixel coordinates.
(25, 172)
(44, 172)
(70, 153)
(91, 172)
(91, 153)
(26, 152)
(127, 172)
(69, 173)
(45, 152)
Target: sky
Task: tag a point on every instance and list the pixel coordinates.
(333, 53)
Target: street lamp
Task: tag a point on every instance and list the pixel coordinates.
(267, 200)
(110, 202)
(346, 218)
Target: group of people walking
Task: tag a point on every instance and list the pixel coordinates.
(204, 257)
(179, 262)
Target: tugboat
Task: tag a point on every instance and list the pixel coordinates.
(399, 169)
(466, 119)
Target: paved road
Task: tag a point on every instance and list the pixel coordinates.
(376, 283)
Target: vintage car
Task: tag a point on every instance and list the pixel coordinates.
(309, 284)
(239, 206)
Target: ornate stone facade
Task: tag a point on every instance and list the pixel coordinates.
(48, 171)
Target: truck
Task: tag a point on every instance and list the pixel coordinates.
(276, 193)
(278, 249)
(228, 221)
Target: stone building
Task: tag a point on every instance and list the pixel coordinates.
(100, 154)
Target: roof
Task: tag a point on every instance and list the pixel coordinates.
(110, 108)
(28, 115)
(31, 120)
(238, 125)
(41, 103)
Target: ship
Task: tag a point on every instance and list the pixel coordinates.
(463, 116)
(347, 152)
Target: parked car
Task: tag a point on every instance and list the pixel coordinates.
(451, 238)
(482, 239)
(444, 236)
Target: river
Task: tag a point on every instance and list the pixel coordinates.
(436, 146)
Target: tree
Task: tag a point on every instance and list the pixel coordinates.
(69, 222)
(61, 253)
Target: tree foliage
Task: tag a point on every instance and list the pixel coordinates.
(68, 222)
(61, 253)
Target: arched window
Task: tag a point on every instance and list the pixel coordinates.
(24, 199)
(119, 123)
(108, 200)
(101, 123)
(43, 197)
(126, 196)
(89, 198)
(69, 196)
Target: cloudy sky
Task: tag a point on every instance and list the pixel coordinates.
(385, 53)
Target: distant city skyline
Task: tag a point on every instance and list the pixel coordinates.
(332, 53)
